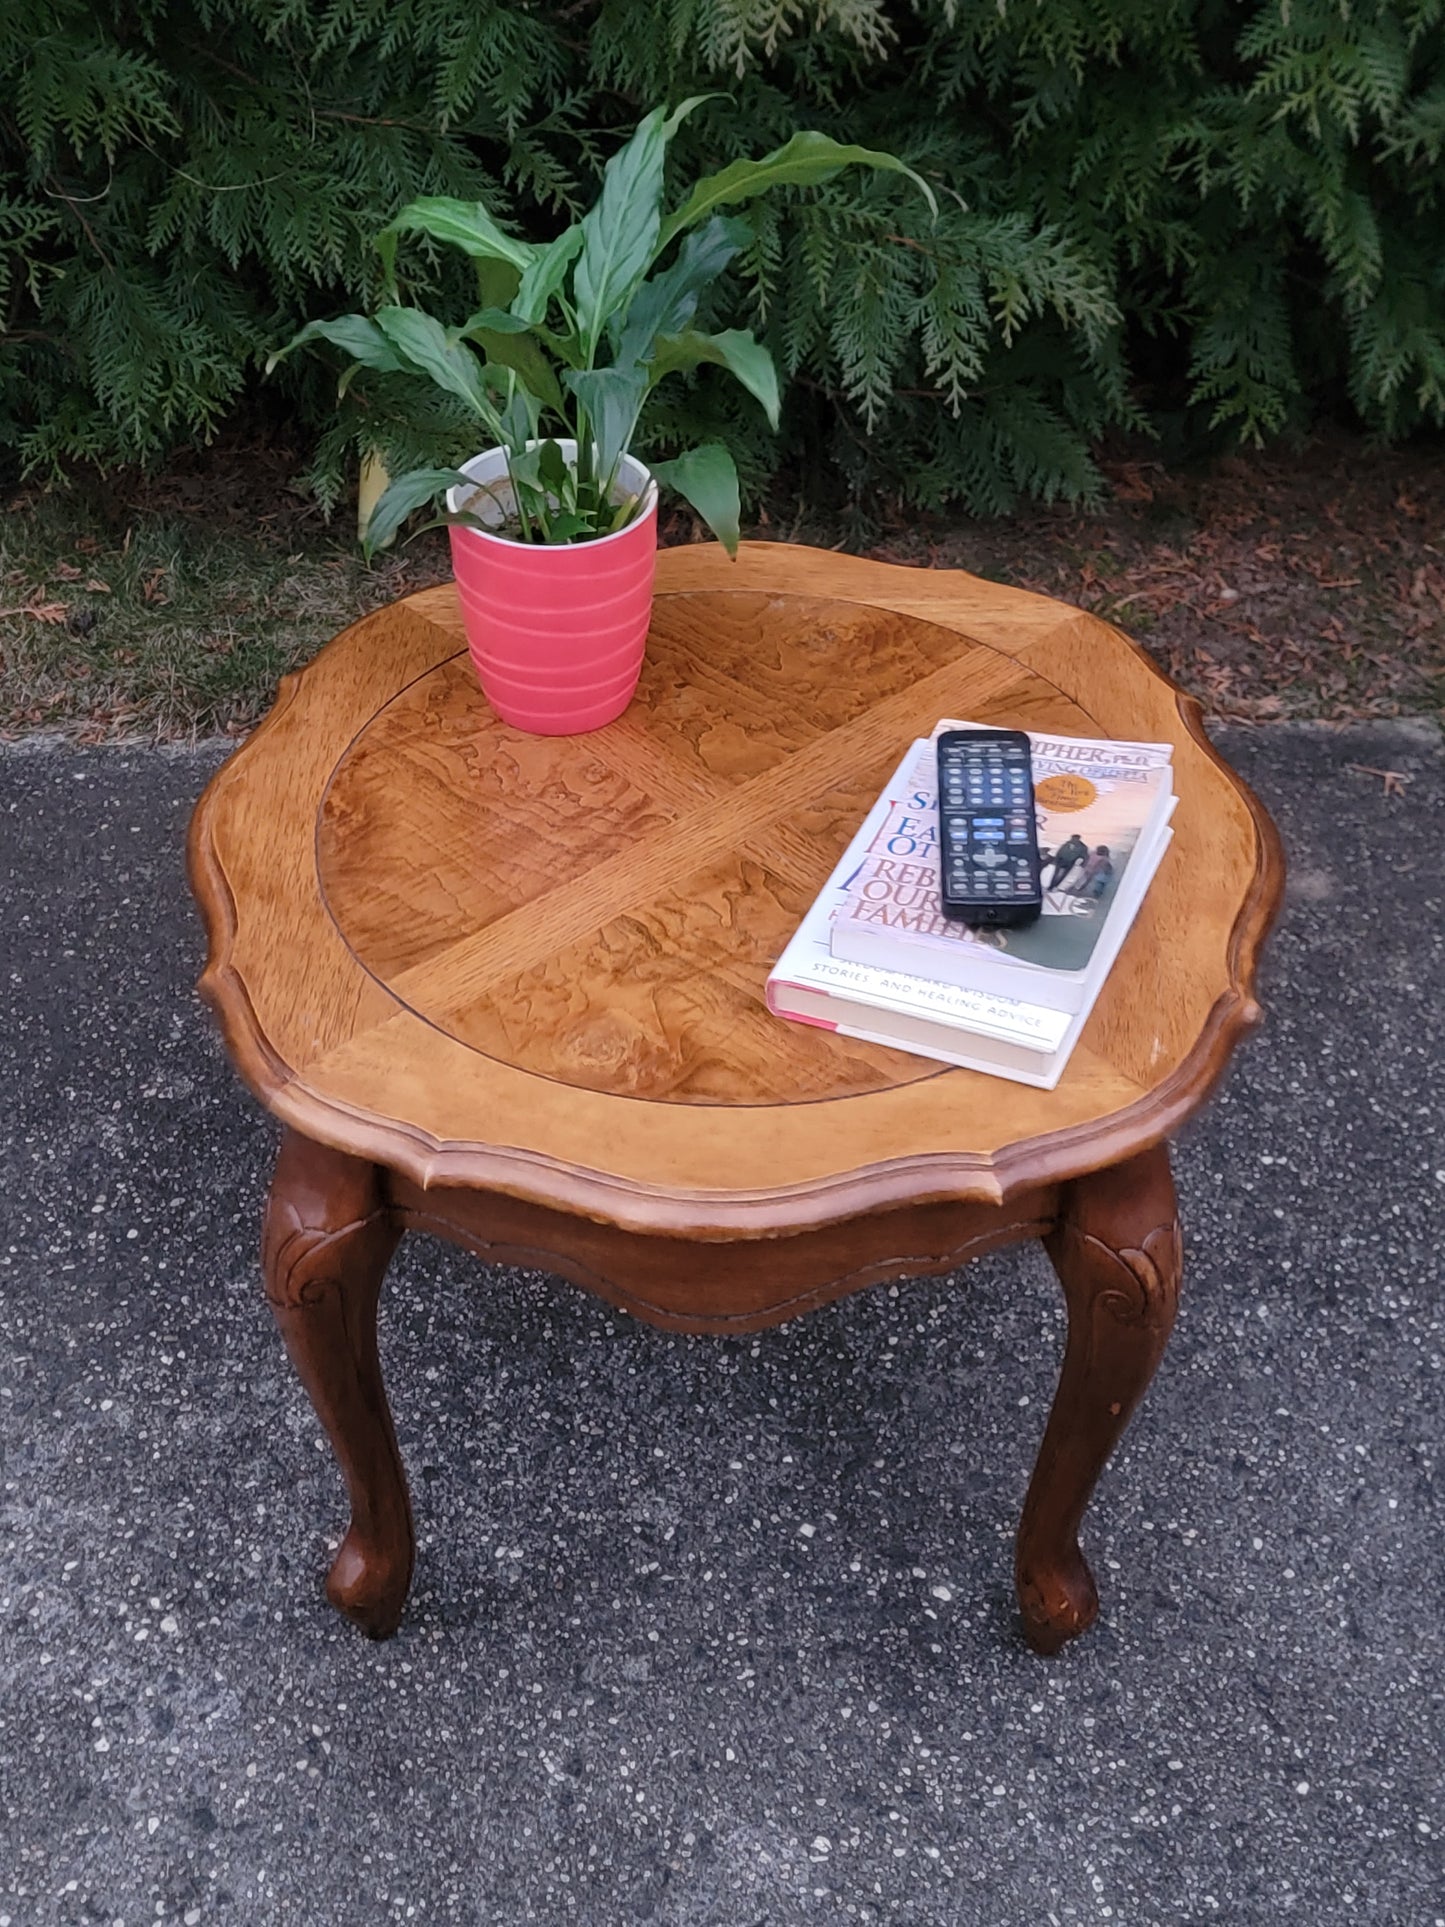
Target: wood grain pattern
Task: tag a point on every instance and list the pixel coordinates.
(566, 864)
(738, 1285)
(328, 1238)
(1117, 1250)
(537, 964)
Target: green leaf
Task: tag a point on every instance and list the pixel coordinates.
(425, 345)
(552, 467)
(494, 321)
(563, 527)
(455, 519)
(736, 350)
(707, 479)
(667, 303)
(529, 492)
(507, 341)
(807, 159)
(356, 334)
(680, 113)
(406, 493)
(620, 232)
(462, 224)
(544, 275)
(497, 282)
(612, 398)
(518, 418)
(525, 468)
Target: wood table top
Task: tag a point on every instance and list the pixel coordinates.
(536, 964)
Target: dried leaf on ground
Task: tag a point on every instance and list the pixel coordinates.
(1394, 780)
(49, 612)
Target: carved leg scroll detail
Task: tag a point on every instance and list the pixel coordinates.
(1117, 1251)
(327, 1241)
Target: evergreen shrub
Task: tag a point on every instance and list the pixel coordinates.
(1206, 216)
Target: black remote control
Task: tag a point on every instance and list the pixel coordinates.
(988, 851)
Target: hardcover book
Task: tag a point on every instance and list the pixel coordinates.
(1008, 1034)
(1100, 809)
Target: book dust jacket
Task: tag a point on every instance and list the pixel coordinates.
(1092, 801)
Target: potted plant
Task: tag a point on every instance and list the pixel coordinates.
(553, 528)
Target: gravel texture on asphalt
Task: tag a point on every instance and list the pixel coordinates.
(718, 1631)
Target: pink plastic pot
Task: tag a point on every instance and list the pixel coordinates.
(556, 632)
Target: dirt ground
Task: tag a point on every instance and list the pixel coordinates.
(1308, 583)
(1298, 583)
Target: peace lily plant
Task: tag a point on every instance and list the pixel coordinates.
(557, 366)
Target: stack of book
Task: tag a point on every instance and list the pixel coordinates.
(875, 957)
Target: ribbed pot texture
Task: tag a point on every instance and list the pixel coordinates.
(556, 633)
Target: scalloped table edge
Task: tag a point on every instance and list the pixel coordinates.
(1014, 1169)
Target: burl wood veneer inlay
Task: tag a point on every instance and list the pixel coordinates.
(603, 910)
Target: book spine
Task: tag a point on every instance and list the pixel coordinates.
(853, 984)
(994, 1058)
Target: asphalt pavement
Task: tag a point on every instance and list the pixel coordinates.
(719, 1633)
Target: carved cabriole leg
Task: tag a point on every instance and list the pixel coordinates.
(1116, 1248)
(327, 1241)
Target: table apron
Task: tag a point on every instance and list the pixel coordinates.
(733, 1285)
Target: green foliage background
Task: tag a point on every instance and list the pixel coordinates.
(1204, 216)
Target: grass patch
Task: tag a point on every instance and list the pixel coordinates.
(166, 626)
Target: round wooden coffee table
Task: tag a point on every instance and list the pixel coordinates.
(509, 989)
